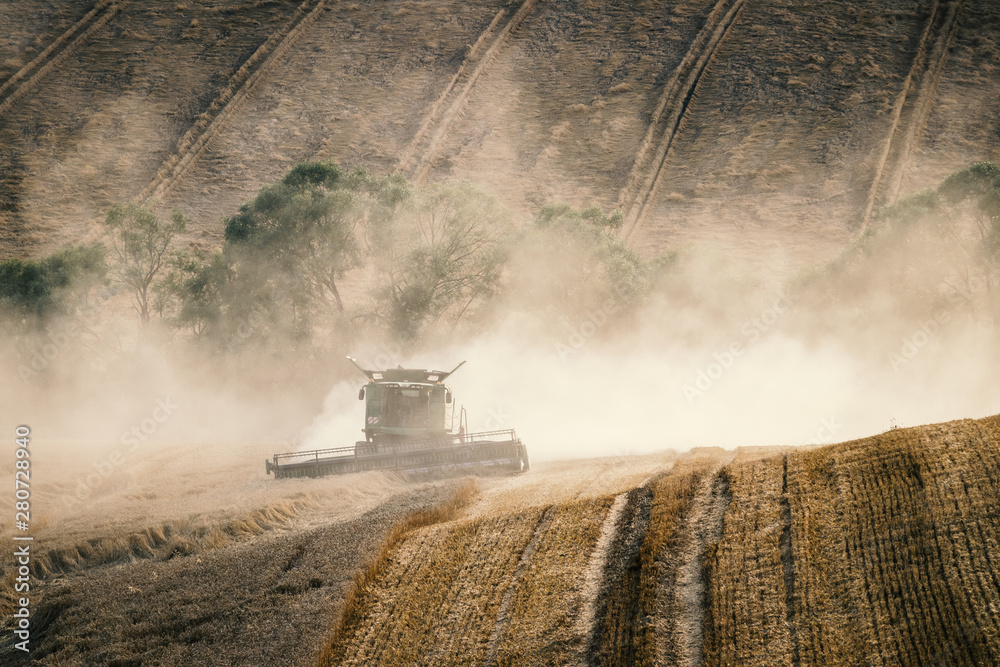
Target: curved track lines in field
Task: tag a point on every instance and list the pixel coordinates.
(668, 116)
(194, 141)
(914, 104)
(507, 600)
(25, 79)
(418, 158)
(704, 527)
(595, 576)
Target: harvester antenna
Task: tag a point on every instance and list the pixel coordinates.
(354, 361)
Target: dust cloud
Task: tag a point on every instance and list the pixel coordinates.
(710, 354)
(715, 356)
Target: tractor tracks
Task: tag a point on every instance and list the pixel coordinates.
(788, 563)
(595, 579)
(503, 616)
(703, 527)
(913, 105)
(28, 77)
(418, 158)
(208, 124)
(669, 114)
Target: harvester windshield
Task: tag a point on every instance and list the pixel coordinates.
(407, 407)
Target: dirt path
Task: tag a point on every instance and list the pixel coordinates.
(595, 582)
(703, 527)
(613, 637)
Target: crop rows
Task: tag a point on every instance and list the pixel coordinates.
(593, 581)
(228, 101)
(442, 569)
(56, 53)
(747, 590)
(668, 115)
(500, 590)
(875, 552)
(913, 105)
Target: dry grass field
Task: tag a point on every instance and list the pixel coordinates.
(872, 552)
(199, 103)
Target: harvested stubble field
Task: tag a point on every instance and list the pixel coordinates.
(702, 118)
(872, 552)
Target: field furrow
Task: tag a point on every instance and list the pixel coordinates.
(56, 53)
(913, 105)
(644, 180)
(612, 587)
(963, 125)
(560, 112)
(356, 89)
(229, 100)
(797, 175)
(98, 128)
(418, 159)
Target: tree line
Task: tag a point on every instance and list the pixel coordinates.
(426, 260)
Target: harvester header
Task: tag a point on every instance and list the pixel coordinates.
(411, 424)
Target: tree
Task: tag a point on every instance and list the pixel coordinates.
(571, 256)
(304, 227)
(978, 185)
(440, 256)
(138, 242)
(52, 285)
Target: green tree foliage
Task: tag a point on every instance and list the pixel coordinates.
(931, 251)
(441, 255)
(979, 186)
(138, 244)
(191, 293)
(437, 255)
(287, 250)
(57, 284)
(304, 229)
(571, 257)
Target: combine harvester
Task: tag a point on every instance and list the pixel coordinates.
(410, 426)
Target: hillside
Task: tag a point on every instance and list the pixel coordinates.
(873, 552)
(770, 128)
